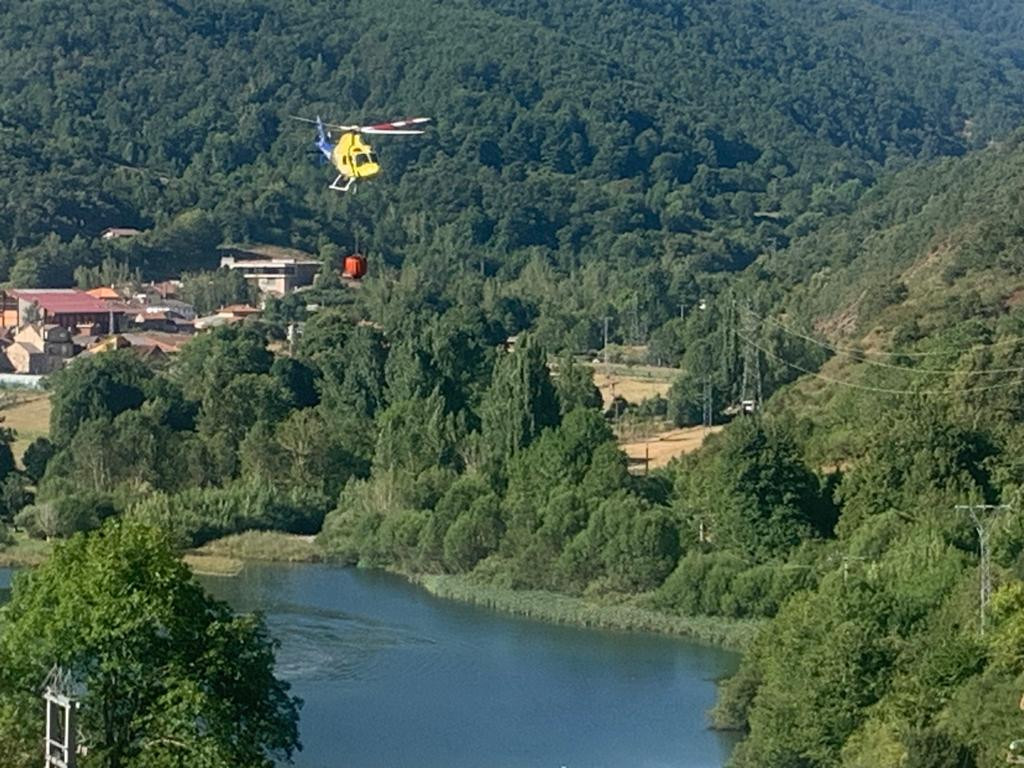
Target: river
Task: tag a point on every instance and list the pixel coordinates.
(394, 678)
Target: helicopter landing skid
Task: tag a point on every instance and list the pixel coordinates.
(349, 184)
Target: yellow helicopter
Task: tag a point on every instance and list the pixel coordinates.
(352, 157)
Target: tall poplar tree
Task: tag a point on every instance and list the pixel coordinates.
(520, 403)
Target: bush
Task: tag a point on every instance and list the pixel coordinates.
(471, 538)
(66, 515)
(14, 496)
(37, 456)
(701, 584)
(198, 515)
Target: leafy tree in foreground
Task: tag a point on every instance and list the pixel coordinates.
(170, 676)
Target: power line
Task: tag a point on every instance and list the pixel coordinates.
(863, 353)
(881, 390)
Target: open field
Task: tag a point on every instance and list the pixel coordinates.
(662, 447)
(634, 383)
(29, 416)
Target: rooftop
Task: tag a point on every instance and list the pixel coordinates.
(238, 309)
(65, 301)
(111, 232)
(263, 251)
(104, 292)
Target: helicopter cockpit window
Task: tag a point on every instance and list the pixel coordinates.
(361, 160)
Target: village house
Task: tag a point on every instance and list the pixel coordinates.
(39, 349)
(233, 313)
(276, 271)
(174, 308)
(153, 347)
(67, 307)
(105, 293)
(166, 289)
(114, 233)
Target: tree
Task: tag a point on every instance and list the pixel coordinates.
(520, 402)
(95, 387)
(209, 291)
(575, 386)
(170, 676)
(14, 496)
(760, 495)
(36, 457)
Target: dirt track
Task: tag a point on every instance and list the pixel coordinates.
(662, 447)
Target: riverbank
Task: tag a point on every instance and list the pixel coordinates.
(228, 555)
(221, 557)
(25, 552)
(733, 634)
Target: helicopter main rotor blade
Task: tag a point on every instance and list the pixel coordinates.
(396, 127)
(326, 125)
(391, 132)
(399, 127)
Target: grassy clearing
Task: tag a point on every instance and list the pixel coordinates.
(29, 416)
(270, 546)
(212, 565)
(563, 609)
(24, 552)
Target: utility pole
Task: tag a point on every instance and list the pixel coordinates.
(709, 410)
(981, 514)
(604, 349)
(846, 565)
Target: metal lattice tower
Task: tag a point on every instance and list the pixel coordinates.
(981, 514)
(750, 388)
(60, 744)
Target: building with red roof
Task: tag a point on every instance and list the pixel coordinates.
(67, 307)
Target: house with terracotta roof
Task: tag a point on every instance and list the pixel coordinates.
(105, 293)
(233, 313)
(146, 346)
(67, 307)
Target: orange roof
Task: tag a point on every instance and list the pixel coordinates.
(104, 292)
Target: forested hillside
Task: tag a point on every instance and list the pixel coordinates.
(641, 148)
(914, 299)
(827, 192)
(416, 441)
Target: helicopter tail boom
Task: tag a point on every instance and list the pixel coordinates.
(323, 141)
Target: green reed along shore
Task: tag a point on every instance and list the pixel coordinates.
(734, 634)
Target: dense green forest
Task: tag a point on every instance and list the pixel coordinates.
(838, 185)
(617, 161)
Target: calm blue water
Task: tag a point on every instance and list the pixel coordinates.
(393, 678)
